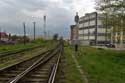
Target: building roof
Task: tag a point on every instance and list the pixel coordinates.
(93, 13)
(3, 35)
(72, 26)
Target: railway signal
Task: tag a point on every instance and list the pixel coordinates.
(77, 26)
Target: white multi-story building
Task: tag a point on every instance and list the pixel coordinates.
(91, 30)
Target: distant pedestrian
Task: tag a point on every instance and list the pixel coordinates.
(76, 47)
(61, 44)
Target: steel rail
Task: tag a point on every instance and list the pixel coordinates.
(41, 61)
(54, 71)
(1, 69)
(11, 72)
(17, 51)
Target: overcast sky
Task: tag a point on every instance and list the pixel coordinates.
(60, 15)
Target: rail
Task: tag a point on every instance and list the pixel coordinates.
(54, 71)
(1, 69)
(16, 51)
(41, 61)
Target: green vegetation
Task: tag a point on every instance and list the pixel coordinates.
(101, 66)
(113, 11)
(9, 60)
(5, 48)
(71, 72)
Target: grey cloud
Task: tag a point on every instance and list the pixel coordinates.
(28, 4)
(59, 17)
(68, 1)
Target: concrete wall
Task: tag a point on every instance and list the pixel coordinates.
(85, 42)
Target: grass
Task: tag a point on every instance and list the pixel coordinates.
(72, 74)
(5, 48)
(21, 57)
(102, 66)
(8, 60)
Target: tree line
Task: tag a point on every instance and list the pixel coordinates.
(114, 11)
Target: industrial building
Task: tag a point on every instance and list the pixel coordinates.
(73, 34)
(91, 30)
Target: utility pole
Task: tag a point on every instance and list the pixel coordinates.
(88, 27)
(34, 23)
(44, 18)
(24, 33)
(48, 35)
(9, 37)
(111, 37)
(106, 30)
(96, 31)
(121, 34)
(122, 31)
(0, 34)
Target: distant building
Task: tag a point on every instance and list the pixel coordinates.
(73, 34)
(91, 30)
(4, 36)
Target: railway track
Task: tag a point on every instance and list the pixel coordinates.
(17, 57)
(9, 72)
(4, 54)
(40, 69)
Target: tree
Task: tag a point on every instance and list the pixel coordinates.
(112, 7)
(114, 14)
(14, 37)
(55, 36)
